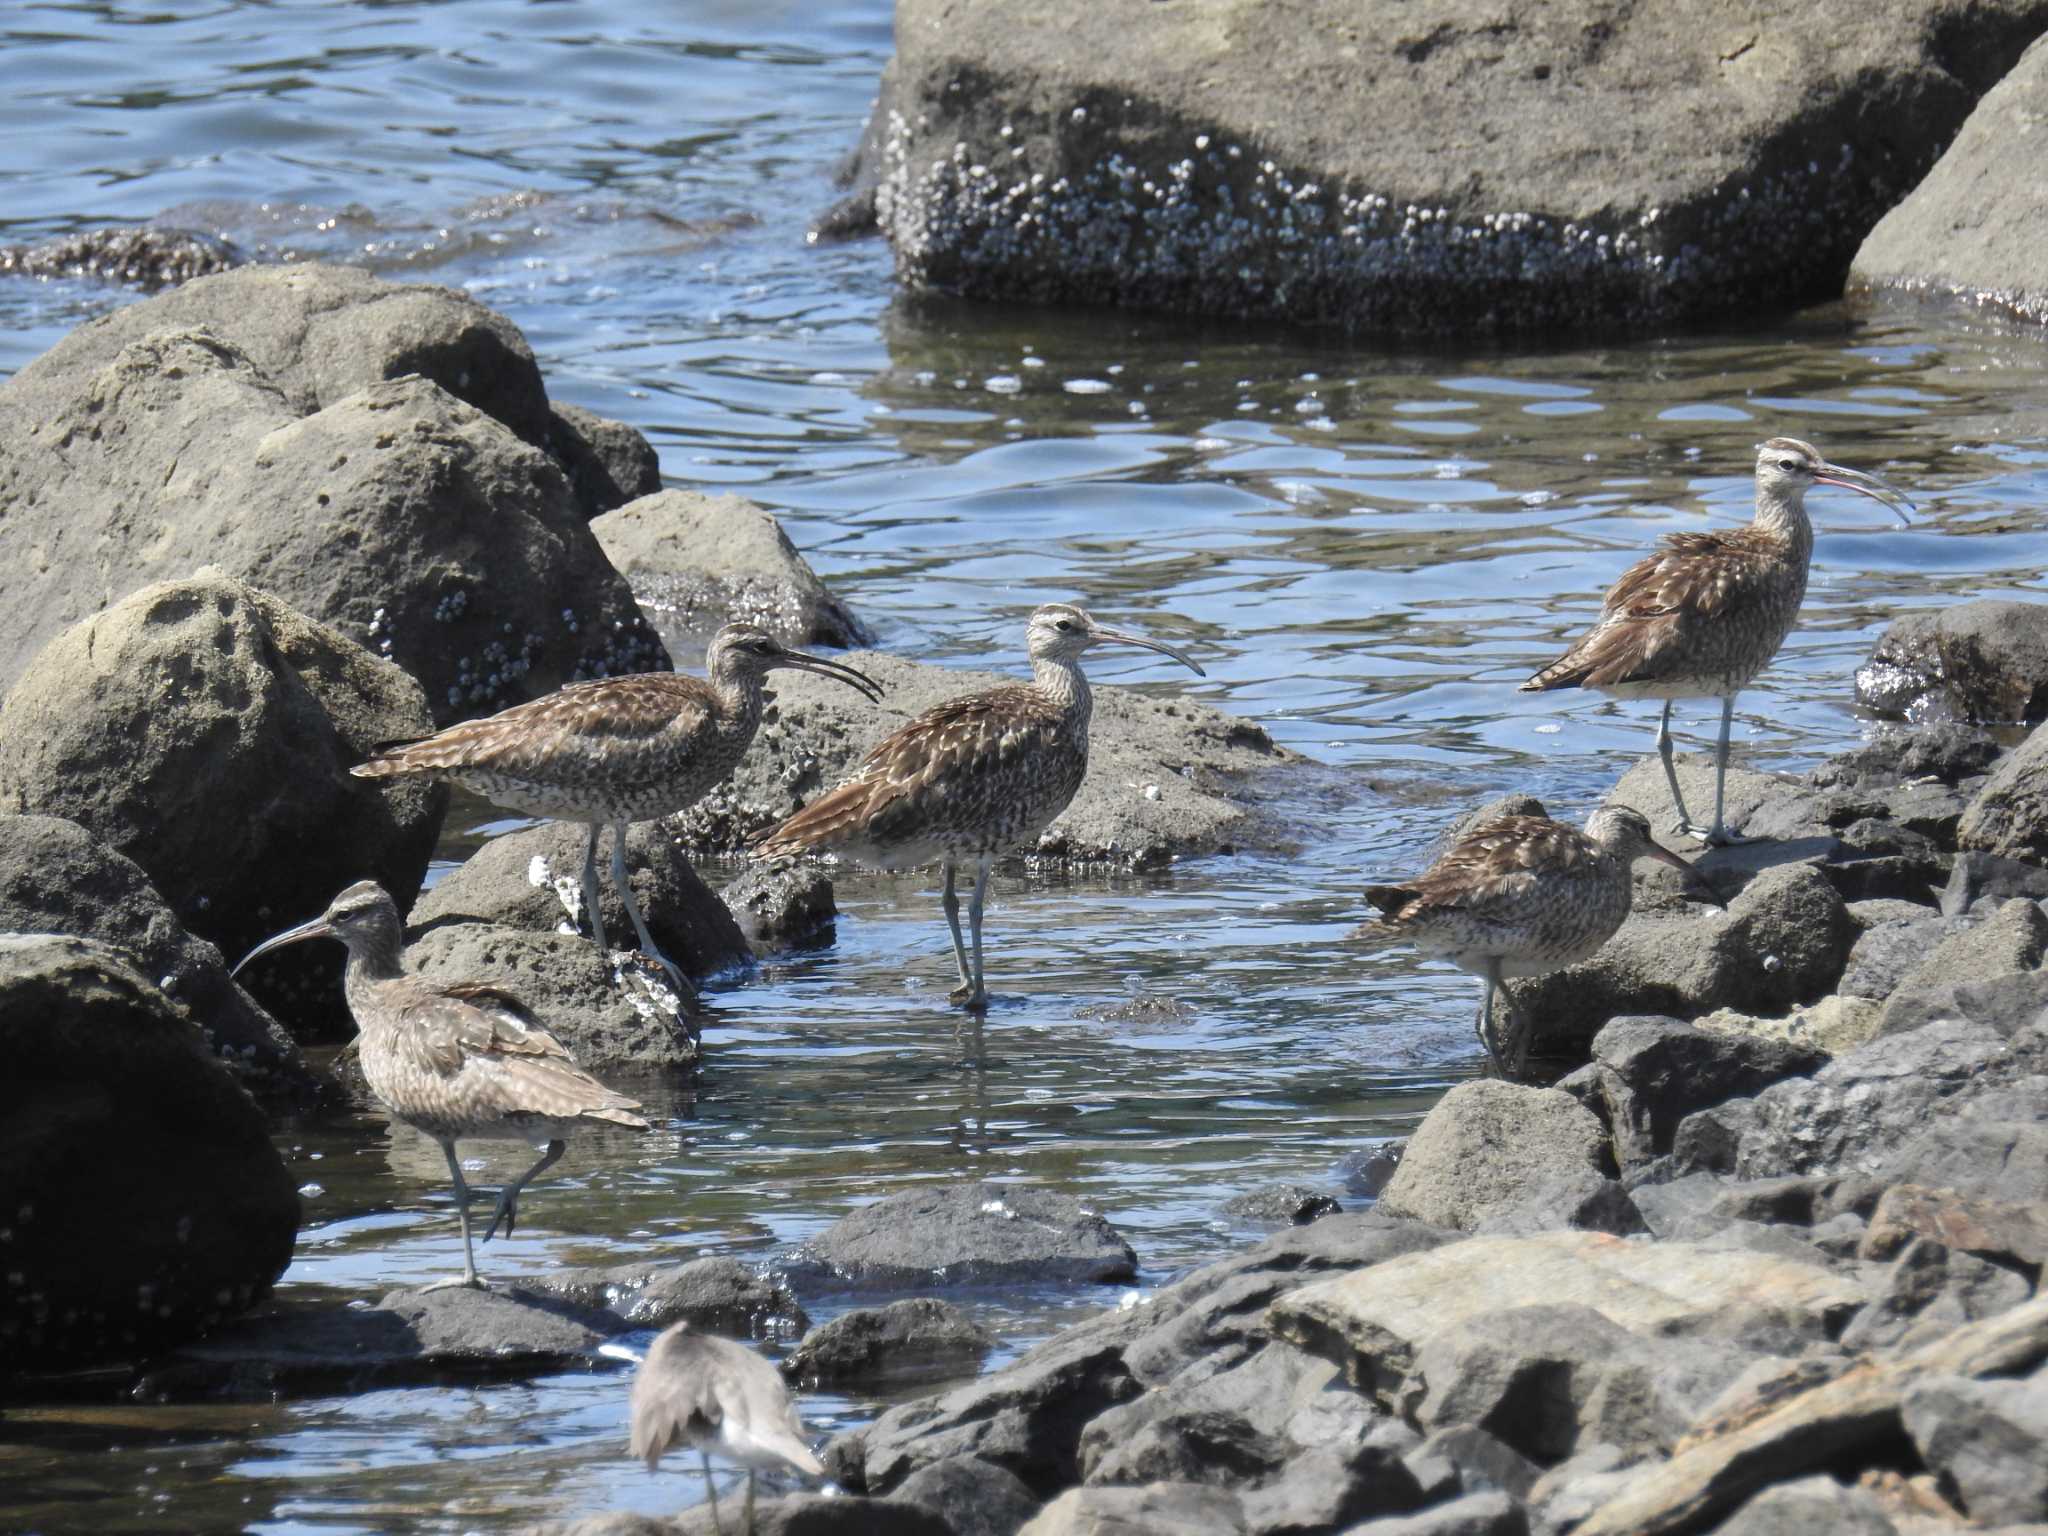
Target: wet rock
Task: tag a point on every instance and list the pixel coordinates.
(1837, 1023)
(697, 561)
(1280, 1205)
(1484, 1146)
(204, 730)
(968, 1234)
(1367, 1170)
(54, 878)
(1981, 662)
(609, 463)
(1946, 240)
(1927, 1292)
(2009, 817)
(716, 1295)
(2011, 937)
(1656, 1071)
(781, 907)
(914, 1339)
(1211, 769)
(1328, 1487)
(1810, 1504)
(1491, 1513)
(396, 513)
(1943, 751)
(1987, 1441)
(465, 1324)
(2007, 1233)
(1463, 1458)
(1080, 162)
(1984, 877)
(1163, 1509)
(144, 1200)
(141, 257)
(528, 880)
(973, 1497)
(1781, 942)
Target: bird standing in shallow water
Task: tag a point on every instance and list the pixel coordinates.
(1518, 896)
(460, 1060)
(1708, 611)
(616, 750)
(698, 1389)
(971, 778)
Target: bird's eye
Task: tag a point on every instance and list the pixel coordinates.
(1064, 624)
(1788, 464)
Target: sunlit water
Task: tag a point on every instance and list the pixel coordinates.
(1366, 548)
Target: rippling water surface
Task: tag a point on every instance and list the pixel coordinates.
(1367, 548)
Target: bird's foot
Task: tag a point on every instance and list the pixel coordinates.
(968, 995)
(507, 1211)
(457, 1283)
(1718, 836)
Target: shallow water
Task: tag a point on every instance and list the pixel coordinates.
(1366, 549)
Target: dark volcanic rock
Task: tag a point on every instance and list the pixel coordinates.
(1281, 1205)
(973, 1497)
(143, 257)
(1988, 1443)
(1485, 1146)
(781, 907)
(1328, 1487)
(716, 1295)
(1806, 1508)
(1210, 769)
(2011, 937)
(914, 1339)
(143, 1199)
(1456, 171)
(1980, 662)
(1492, 1513)
(968, 1234)
(1968, 231)
(1975, 877)
(301, 428)
(204, 729)
(1928, 1292)
(1463, 1458)
(2007, 1233)
(2009, 817)
(1655, 1071)
(608, 462)
(55, 879)
(697, 561)
(1161, 1509)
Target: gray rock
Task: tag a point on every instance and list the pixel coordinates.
(1463, 1458)
(144, 257)
(797, 1514)
(1987, 1441)
(1330, 1486)
(1656, 1071)
(716, 1295)
(915, 1339)
(968, 1234)
(389, 509)
(144, 1199)
(2008, 1233)
(781, 907)
(1211, 769)
(1577, 1201)
(608, 462)
(973, 1497)
(1928, 1292)
(2012, 937)
(1984, 877)
(1576, 1486)
(204, 730)
(2009, 817)
(1782, 941)
(697, 561)
(1685, 1207)
(1485, 1146)
(1965, 232)
(1993, 1147)
(1367, 1171)
(607, 1017)
(1491, 1513)
(523, 879)
(1808, 1506)
(1449, 174)
(1936, 750)
(54, 878)
(1280, 1205)
(1886, 953)
(1164, 1509)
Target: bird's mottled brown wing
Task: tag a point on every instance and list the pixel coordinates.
(958, 741)
(452, 1025)
(567, 725)
(1488, 870)
(1649, 615)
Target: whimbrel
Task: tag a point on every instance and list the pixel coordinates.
(1518, 896)
(698, 1389)
(616, 750)
(970, 778)
(461, 1061)
(1707, 612)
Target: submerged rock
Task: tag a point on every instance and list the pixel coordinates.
(781, 908)
(967, 1234)
(916, 1338)
(142, 257)
(144, 1201)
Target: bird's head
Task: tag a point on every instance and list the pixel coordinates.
(1786, 469)
(1061, 632)
(747, 651)
(364, 917)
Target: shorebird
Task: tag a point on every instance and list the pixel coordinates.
(458, 1060)
(616, 750)
(1707, 612)
(970, 778)
(1518, 896)
(698, 1389)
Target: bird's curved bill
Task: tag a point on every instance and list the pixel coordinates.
(803, 661)
(1694, 880)
(318, 928)
(1118, 637)
(1867, 485)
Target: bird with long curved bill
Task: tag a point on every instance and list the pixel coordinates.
(1704, 614)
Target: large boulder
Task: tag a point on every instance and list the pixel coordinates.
(144, 1201)
(2009, 817)
(698, 561)
(1983, 662)
(1449, 168)
(1653, 1072)
(205, 730)
(397, 512)
(54, 878)
(1166, 775)
(1487, 1146)
(968, 1234)
(1971, 230)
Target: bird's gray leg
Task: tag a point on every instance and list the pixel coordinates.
(1684, 824)
(710, 1491)
(508, 1198)
(978, 998)
(647, 945)
(1718, 834)
(949, 900)
(750, 1501)
(469, 1275)
(590, 900)
(1491, 977)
